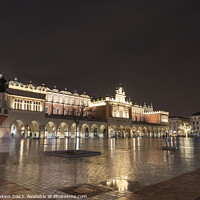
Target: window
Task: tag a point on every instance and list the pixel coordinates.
(121, 113)
(34, 106)
(46, 109)
(115, 113)
(25, 105)
(29, 106)
(85, 113)
(76, 102)
(20, 105)
(71, 101)
(81, 102)
(38, 106)
(57, 110)
(67, 100)
(15, 104)
(68, 112)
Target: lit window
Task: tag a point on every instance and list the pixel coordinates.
(34, 107)
(46, 109)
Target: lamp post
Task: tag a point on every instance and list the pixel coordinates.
(166, 139)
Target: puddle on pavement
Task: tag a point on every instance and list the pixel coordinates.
(85, 189)
(122, 185)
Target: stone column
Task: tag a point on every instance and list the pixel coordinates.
(26, 131)
(136, 131)
(41, 131)
(131, 114)
(131, 132)
(56, 132)
(69, 132)
(109, 132)
(78, 132)
(91, 133)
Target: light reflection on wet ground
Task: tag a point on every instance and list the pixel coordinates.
(138, 160)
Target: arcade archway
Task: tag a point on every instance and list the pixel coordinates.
(17, 129)
(85, 131)
(50, 130)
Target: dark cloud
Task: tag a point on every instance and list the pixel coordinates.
(152, 47)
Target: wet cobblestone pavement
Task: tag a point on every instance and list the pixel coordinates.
(125, 165)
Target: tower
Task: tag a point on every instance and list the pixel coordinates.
(2, 83)
(120, 94)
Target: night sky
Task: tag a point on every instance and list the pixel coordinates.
(151, 47)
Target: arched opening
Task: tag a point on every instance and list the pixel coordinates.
(94, 131)
(33, 129)
(128, 132)
(73, 131)
(150, 132)
(159, 132)
(85, 131)
(155, 132)
(62, 130)
(139, 131)
(102, 131)
(50, 130)
(113, 131)
(121, 132)
(134, 131)
(162, 132)
(144, 132)
(17, 129)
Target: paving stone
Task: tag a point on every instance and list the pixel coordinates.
(140, 160)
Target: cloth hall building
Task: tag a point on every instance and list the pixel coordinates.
(28, 111)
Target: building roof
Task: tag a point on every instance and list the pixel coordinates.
(198, 113)
(179, 117)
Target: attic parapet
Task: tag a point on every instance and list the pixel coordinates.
(157, 112)
(28, 87)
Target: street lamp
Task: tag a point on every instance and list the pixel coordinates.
(186, 128)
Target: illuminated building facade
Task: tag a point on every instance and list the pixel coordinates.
(40, 112)
(179, 126)
(195, 123)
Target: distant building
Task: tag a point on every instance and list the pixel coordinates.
(195, 123)
(179, 126)
(30, 111)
